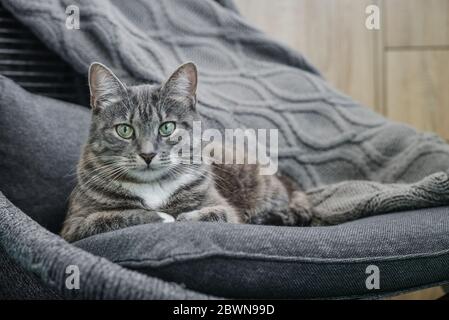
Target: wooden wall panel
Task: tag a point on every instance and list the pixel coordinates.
(417, 22)
(418, 90)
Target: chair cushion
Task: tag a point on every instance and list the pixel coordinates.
(40, 141)
(246, 261)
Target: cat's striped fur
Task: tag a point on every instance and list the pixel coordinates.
(116, 188)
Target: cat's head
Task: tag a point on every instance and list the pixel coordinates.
(133, 126)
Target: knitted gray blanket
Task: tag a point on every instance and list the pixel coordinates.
(352, 161)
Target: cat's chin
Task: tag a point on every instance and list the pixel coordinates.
(147, 174)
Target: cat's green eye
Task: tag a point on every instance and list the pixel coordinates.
(124, 130)
(167, 128)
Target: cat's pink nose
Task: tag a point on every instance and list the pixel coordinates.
(147, 156)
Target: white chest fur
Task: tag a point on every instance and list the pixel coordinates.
(156, 194)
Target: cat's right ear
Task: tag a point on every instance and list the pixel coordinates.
(105, 87)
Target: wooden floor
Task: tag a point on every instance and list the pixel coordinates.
(401, 70)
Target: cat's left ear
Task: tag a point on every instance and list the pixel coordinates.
(181, 85)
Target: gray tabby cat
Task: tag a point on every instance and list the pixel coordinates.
(128, 176)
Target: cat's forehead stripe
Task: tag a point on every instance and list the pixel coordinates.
(142, 100)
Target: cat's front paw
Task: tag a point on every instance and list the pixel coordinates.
(208, 214)
(165, 217)
(194, 215)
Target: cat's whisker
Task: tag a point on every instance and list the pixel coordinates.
(104, 170)
(99, 179)
(106, 180)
